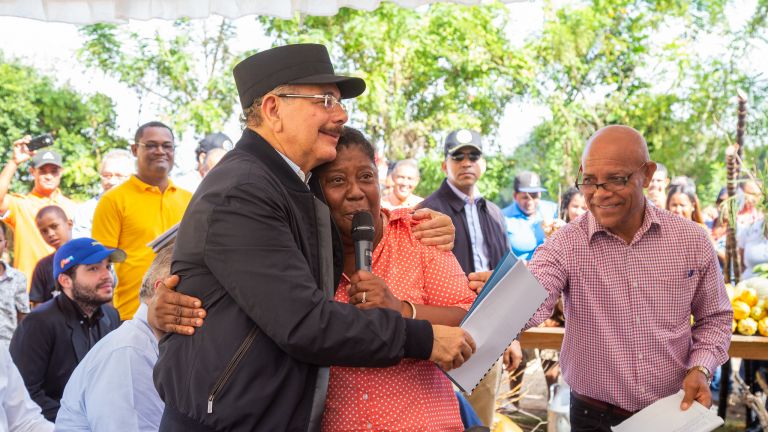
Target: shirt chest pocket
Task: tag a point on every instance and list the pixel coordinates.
(671, 298)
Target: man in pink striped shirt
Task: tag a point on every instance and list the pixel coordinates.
(631, 276)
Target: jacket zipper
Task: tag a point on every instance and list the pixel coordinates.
(231, 366)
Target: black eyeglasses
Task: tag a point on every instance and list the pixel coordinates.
(613, 184)
(473, 157)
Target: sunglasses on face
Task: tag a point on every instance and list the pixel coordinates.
(473, 157)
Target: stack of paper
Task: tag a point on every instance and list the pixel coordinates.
(507, 302)
(665, 415)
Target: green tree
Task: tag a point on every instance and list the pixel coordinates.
(428, 71)
(83, 125)
(190, 75)
(604, 62)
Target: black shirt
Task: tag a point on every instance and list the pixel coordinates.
(43, 284)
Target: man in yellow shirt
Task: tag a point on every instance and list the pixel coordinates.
(134, 213)
(20, 209)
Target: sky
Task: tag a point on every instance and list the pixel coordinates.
(52, 49)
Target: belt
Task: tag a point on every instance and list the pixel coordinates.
(599, 405)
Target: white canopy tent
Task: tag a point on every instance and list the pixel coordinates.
(92, 11)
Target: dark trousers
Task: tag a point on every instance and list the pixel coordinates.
(587, 417)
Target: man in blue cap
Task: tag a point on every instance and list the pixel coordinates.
(55, 336)
(527, 215)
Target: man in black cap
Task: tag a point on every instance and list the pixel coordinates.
(527, 215)
(481, 239)
(256, 246)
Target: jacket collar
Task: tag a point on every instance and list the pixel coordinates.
(253, 144)
(72, 317)
(448, 196)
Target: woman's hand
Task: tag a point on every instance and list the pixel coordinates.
(370, 291)
(478, 279)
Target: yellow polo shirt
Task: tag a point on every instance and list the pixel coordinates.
(129, 216)
(28, 245)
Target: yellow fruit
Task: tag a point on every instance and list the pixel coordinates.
(747, 326)
(762, 326)
(729, 291)
(749, 296)
(733, 326)
(757, 313)
(740, 310)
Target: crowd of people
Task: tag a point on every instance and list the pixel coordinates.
(268, 323)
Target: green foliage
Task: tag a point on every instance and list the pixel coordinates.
(428, 71)
(495, 184)
(83, 125)
(604, 62)
(190, 75)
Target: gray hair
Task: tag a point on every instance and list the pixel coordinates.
(251, 116)
(115, 154)
(159, 269)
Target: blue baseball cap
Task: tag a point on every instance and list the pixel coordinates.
(83, 251)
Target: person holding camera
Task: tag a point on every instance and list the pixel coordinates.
(19, 210)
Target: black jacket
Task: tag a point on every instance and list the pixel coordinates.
(50, 342)
(492, 224)
(255, 246)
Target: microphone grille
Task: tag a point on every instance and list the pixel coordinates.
(362, 226)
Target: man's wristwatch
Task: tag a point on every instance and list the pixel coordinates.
(702, 369)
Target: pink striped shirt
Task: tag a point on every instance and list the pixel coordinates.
(628, 338)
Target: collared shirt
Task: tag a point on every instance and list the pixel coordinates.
(413, 395)
(18, 412)
(474, 228)
(410, 202)
(296, 168)
(112, 389)
(129, 216)
(628, 336)
(525, 232)
(29, 245)
(89, 325)
(82, 220)
(13, 299)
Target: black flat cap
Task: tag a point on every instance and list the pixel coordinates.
(290, 64)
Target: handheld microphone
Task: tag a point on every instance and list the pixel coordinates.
(362, 234)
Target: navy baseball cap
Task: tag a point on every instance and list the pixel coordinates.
(83, 251)
(461, 138)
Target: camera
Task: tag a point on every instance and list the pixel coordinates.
(39, 142)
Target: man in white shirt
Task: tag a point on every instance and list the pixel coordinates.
(18, 412)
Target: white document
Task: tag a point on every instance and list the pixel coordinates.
(665, 415)
(507, 302)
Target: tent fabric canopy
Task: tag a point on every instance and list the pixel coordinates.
(93, 11)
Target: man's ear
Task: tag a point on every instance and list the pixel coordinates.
(650, 168)
(65, 281)
(270, 112)
(134, 149)
(444, 167)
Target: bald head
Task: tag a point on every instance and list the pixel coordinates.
(616, 159)
(617, 142)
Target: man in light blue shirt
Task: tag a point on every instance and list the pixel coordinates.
(525, 215)
(112, 389)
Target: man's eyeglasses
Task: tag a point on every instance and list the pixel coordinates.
(108, 176)
(613, 184)
(153, 146)
(329, 101)
(473, 157)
